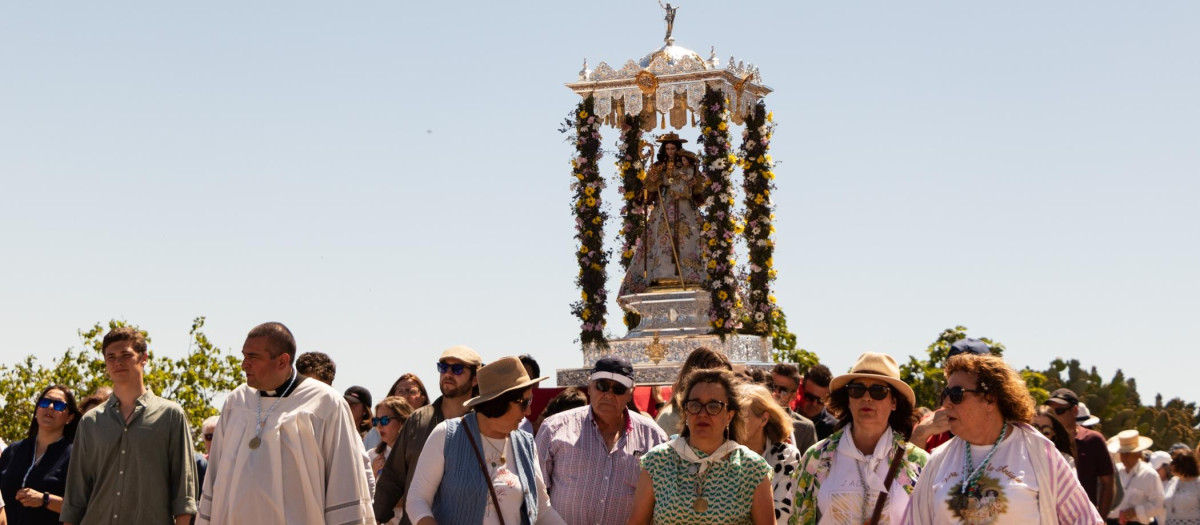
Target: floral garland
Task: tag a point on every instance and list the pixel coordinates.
(758, 185)
(719, 226)
(589, 224)
(633, 212)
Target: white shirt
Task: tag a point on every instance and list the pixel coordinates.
(1182, 501)
(507, 485)
(1008, 488)
(840, 499)
(308, 469)
(1143, 492)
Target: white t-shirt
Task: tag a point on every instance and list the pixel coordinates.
(841, 498)
(1008, 489)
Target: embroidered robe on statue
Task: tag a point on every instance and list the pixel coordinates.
(673, 218)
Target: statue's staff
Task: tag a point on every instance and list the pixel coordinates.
(662, 198)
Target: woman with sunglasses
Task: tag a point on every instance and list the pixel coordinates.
(1045, 422)
(997, 469)
(704, 476)
(390, 415)
(480, 468)
(864, 471)
(33, 471)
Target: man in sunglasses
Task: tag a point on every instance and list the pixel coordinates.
(786, 379)
(589, 455)
(1093, 464)
(456, 379)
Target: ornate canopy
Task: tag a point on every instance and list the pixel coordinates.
(669, 82)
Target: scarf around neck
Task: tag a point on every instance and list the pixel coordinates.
(686, 452)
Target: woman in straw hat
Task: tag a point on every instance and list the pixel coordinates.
(1142, 487)
(765, 429)
(997, 469)
(703, 476)
(671, 243)
(843, 477)
(474, 465)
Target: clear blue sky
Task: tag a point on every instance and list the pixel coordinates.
(387, 177)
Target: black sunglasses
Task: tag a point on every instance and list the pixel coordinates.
(1061, 410)
(955, 393)
(878, 392)
(57, 405)
(524, 402)
(713, 408)
(781, 389)
(383, 421)
(604, 385)
(456, 369)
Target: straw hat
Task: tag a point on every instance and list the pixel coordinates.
(881, 367)
(500, 376)
(1128, 441)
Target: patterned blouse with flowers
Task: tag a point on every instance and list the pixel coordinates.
(818, 462)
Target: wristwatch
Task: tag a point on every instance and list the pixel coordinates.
(45, 499)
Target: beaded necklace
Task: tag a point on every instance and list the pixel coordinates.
(970, 484)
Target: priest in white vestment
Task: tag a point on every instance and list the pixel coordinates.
(285, 450)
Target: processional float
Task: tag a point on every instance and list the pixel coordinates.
(680, 221)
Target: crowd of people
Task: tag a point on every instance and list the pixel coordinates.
(728, 445)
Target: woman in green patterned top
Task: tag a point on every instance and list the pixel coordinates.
(703, 476)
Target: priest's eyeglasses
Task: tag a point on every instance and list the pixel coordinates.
(713, 408)
(57, 405)
(857, 390)
(955, 393)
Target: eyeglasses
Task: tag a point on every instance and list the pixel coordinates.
(604, 385)
(383, 421)
(456, 369)
(524, 402)
(1061, 410)
(208, 437)
(57, 405)
(810, 397)
(955, 393)
(857, 390)
(713, 408)
(1046, 431)
(782, 390)
(410, 391)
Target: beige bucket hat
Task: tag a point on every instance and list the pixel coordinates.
(877, 366)
(500, 376)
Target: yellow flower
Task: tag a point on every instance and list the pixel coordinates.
(722, 295)
(596, 267)
(584, 250)
(627, 254)
(707, 130)
(706, 226)
(579, 176)
(641, 175)
(771, 298)
(770, 262)
(712, 264)
(719, 322)
(770, 116)
(737, 304)
(768, 161)
(722, 126)
(589, 191)
(596, 220)
(712, 242)
(583, 114)
(591, 201)
(770, 175)
(629, 195)
(772, 228)
(583, 294)
(732, 158)
(758, 199)
(586, 313)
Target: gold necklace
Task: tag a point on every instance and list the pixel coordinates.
(500, 452)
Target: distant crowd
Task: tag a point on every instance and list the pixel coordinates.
(724, 444)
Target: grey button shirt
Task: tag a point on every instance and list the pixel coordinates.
(141, 472)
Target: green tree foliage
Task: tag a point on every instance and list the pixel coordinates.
(925, 376)
(192, 380)
(784, 346)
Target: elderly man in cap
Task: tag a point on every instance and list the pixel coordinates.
(1143, 488)
(589, 455)
(457, 368)
(1092, 463)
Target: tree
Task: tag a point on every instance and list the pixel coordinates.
(926, 377)
(784, 347)
(192, 380)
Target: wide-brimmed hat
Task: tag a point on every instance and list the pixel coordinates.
(876, 366)
(1128, 441)
(500, 376)
(670, 137)
(1084, 417)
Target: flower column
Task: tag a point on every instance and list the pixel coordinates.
(589, 226)
(633, 212)
(758, 185)
(718, 229)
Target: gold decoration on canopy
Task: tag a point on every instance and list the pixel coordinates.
(656, 351)
(647, 82)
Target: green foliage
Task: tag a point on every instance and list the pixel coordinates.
(784, 344)
(192, 380)
(925, 376)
